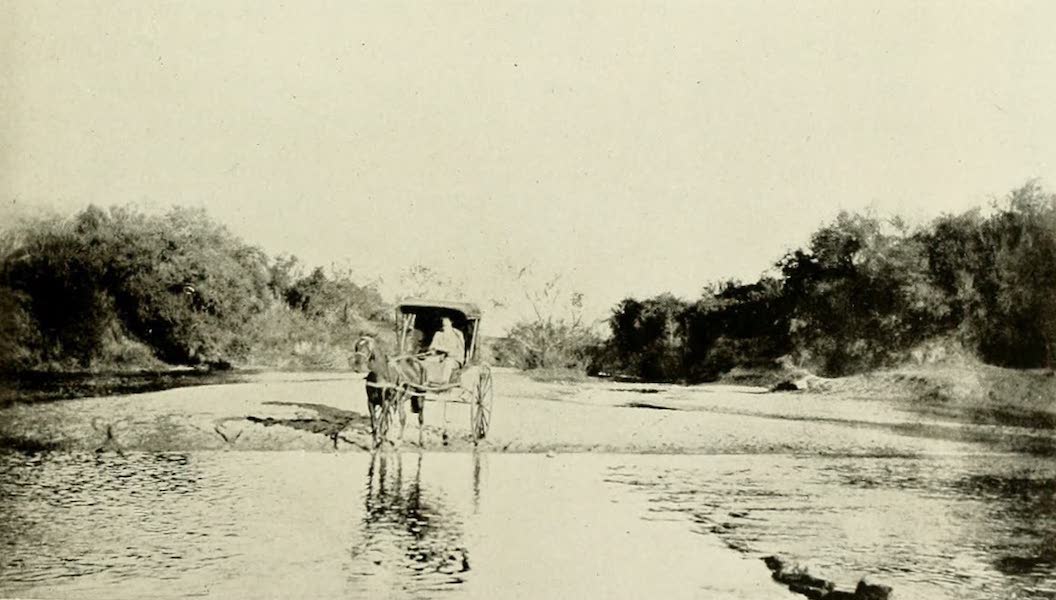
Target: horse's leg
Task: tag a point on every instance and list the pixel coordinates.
(421, 420)
(371, 408)
(377, 412)
(375, 400)
(402, 407)
(420, 374)
(383, 415)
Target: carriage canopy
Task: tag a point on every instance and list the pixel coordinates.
(465, 309)
(418, 320)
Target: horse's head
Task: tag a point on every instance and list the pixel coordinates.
(363, 353)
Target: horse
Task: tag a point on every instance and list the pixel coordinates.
(390, 382)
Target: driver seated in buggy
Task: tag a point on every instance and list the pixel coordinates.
(446, 354)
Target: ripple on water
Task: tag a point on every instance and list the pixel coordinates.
(941, 527)
(422, 526)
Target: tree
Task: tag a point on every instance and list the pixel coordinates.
(180, 283)
(648, 338)
(862, 295)
(283, 271)
(1021, 319)
(57, 282)
(184, 284)
(335, 299)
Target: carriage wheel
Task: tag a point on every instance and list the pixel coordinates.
(480, 411)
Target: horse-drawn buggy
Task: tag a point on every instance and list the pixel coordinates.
(436, 359)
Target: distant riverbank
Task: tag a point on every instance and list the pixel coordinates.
(973, 393)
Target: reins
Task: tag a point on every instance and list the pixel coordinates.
(391, 383)
(382, 386)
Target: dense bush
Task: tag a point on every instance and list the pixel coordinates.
(179, 283)
(336, 299)
(664, 338)
(555, 337)
(545, 344)
(861, 295)
(647, 338)
(107, 287)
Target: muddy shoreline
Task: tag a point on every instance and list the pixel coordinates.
(248, 410)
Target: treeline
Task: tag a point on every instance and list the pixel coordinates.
(863, 294)
(120, 288)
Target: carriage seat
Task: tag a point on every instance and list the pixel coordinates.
(434, 372)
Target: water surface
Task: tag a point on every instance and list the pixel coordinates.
(350, 525)
(242, 491)
(973, 526)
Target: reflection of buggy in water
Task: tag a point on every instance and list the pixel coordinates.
(405, 525)
(447, 369)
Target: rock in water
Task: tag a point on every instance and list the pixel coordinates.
(799, 580)
(869, 590)
(776, 564)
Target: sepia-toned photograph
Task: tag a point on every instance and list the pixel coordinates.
(527, 300)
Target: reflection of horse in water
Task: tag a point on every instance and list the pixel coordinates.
(406, 526)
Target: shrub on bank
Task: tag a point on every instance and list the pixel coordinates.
(122, 289)
(864, 294)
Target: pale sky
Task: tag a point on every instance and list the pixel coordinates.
(635, 148)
